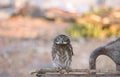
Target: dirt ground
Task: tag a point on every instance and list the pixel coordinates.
(25, 46)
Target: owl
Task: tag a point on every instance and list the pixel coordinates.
(62, 53)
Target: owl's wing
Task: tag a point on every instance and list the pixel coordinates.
(53, 52)
(70, 50)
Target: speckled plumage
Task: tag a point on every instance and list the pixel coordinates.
(62, 52)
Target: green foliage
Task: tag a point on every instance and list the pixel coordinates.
(91, 30)
(95, 24)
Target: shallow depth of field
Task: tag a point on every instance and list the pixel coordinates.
(28, 28)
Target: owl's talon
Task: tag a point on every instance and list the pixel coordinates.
(61, 72)
(68, 69)
(58, 69)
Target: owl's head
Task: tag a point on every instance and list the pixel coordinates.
(62, 40)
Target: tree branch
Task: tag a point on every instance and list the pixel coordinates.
(49, 70)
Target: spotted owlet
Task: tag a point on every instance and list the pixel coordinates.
(62, 53)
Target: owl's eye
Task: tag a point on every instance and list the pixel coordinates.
(64, 42)
(57, 42)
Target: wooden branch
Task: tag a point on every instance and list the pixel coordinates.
(49, 70)
(79, 75)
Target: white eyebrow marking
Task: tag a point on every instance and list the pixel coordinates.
(64, 42)
(57, 42)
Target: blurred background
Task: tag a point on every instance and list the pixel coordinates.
(28, 27)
